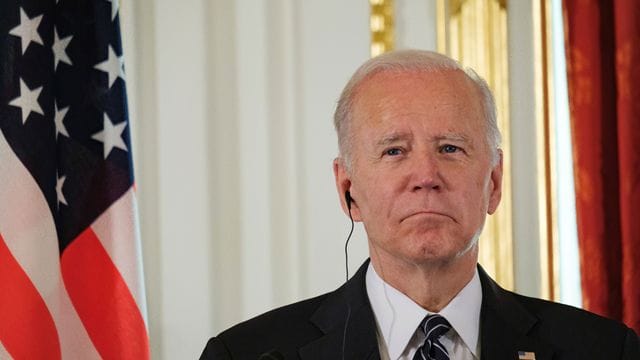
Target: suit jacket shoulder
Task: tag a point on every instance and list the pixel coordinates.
(339, 324)
(511, 323)
(278, 330)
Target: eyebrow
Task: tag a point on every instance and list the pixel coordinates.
(453, 137)
(394, 138)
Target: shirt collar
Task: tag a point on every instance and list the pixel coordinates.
(463, 313)
(398, 317)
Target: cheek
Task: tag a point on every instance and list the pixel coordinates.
(375, 202)
(375, 198)
(475, 200)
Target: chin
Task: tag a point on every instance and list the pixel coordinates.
(430, 254)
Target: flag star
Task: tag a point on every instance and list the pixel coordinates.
(60, 49)
(27, 101)
(115, 4)
(27, 31)
(111, 136)
(59, 118)
(59, 184)
(114, 66)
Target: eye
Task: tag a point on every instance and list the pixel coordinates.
(393, 152)
(449, 149)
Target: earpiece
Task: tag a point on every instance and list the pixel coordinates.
(348, 199)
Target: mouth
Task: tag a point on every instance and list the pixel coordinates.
(427, 214)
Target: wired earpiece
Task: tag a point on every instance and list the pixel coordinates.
(348, 199)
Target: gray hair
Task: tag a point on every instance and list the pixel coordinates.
(407, 61)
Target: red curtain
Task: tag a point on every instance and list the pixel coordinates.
(603, 63)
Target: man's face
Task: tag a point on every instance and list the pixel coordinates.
(423, 176)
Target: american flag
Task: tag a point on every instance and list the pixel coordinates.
(70, 258)
(526, 355)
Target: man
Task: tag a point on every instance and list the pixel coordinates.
(420, 167)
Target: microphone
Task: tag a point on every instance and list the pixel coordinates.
(348, 199)
(271, 355)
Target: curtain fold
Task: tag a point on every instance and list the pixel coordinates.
(603, 57)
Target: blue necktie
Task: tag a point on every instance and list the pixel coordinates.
(433, 326)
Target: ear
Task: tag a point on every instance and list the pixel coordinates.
(343, 184)
(495, 186)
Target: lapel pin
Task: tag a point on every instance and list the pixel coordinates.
(526, 355)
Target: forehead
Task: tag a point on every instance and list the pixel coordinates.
(445, 97)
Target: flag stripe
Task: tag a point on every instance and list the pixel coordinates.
(117, 230)
(103, 301)
(29, 234)
(24, 314)
(28, 226)
(4, 354)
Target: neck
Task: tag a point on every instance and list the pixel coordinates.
(430, 284)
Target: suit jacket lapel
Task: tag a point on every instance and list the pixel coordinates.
(505, 325)
(348, 324)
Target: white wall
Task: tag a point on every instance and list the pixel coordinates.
(231, 105)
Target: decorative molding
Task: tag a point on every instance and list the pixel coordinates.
(546, 155)
(381, 24)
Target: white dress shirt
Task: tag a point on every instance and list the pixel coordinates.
(397, 319)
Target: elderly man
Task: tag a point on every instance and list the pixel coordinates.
(420, 166)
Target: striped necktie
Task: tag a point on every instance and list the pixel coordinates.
(433, 326)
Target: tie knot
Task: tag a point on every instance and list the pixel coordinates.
(434, 326)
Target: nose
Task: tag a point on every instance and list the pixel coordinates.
(426, 174)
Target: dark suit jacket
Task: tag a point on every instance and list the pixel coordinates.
(341, 325)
